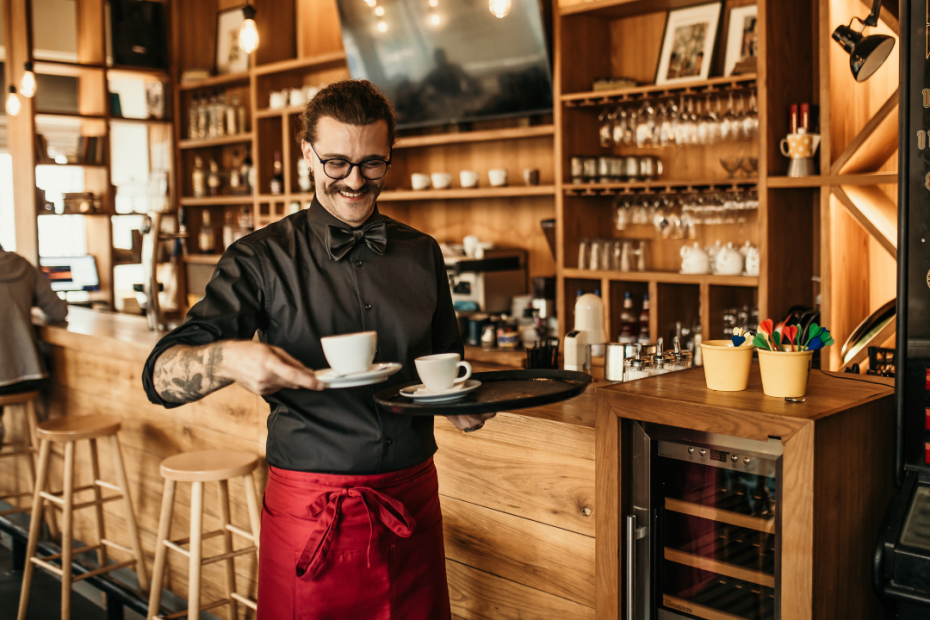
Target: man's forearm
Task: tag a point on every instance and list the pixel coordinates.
(184, 374)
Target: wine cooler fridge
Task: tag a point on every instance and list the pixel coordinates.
(702, 528)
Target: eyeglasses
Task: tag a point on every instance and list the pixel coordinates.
(338, 169)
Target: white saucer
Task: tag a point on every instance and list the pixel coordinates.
(375, 374)
(419, 393)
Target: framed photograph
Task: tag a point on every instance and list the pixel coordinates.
(229, 58)
(742, 39)
(688, 43)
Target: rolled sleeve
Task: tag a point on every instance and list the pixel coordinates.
(233, 308)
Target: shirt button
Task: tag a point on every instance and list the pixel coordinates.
(367, 306)
(358, 263)
(388, 441)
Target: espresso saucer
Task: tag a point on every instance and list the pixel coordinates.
(419, 393)
(376, 373)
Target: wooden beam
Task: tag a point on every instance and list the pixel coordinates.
(874, 145)
(874, 211)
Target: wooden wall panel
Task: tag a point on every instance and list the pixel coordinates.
(849, 286)
(318, 28)
(526, 432)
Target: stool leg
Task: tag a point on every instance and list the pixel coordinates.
(34, 524)
(67, 531)
(31, 423)
(196, 551)
(233, 611)
(102, 559)
(161, 551)
(123, 484)
(252, 503)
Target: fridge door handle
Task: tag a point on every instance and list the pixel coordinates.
(630, 566)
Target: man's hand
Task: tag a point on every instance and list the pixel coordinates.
(264, 369)
(469, 423)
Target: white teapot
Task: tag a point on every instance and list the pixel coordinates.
(694, 259)
(752, 261)
(728, 261)
(713, 250)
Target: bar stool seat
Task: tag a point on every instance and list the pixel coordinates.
(68, 430)
(208, 466)
(218, 466)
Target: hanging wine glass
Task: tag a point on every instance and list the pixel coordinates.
(707, 125)
(681, 123)
(646, 124)
(727, 124)
(751, 119)
(667, 133)
(619, 128)
(605, 132)
(660, 119)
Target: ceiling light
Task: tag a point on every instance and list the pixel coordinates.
(12, 102)
(371, 2)
(866, 54)
(379, 11)
(434, 3)
(501, 8)
(382, 26)
(28, 86)
(248, 33)
(434, 19)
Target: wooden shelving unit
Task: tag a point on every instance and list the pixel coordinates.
(612, 97)
(467, 193)
(211, 142)
(212, 201)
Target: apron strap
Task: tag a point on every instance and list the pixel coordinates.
(388, 511)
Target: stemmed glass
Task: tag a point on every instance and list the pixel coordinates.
(606, 129)
(708, 128)
(751, 118)
(728, 122)
(731, 165)
(668, 131)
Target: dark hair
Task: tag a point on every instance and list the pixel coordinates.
(353, 102)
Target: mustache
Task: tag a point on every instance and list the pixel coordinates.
(368, 188)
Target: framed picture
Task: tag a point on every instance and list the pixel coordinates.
(742, 39)
(229, 58)
(688, 43)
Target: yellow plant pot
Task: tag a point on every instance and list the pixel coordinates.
(784, 374)
(726, 368)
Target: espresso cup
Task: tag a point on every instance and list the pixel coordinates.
(439, 372)
(419, 181)
(498, 177)
(350, 354)
(468, 178)
(441, 180)
(531, 176)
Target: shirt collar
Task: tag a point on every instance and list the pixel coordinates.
(319, 218)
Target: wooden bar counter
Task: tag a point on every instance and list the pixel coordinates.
(517, 497)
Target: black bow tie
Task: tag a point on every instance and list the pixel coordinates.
(340, 240)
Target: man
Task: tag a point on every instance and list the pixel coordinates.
(351, 526)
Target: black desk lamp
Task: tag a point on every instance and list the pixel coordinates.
(866, 54)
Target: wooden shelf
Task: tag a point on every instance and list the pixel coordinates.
(285, 111)
(72, 164)
(701, 611)
(204, 143)
(662, 277)
(64, 68)
(74, 115)
(465, 194)
(211, 201)
(610, 97)
(139, 121)
(721, 568)
(611, 189)
(863, 178)
(295, 64)
(721, 516)
(149, 73)
(511, 133)
(217, 80)
(202, 259)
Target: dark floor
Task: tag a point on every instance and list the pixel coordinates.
(45, 596)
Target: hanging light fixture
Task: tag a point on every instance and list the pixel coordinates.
(866, 54)
(28, 86)
(382, 26)
(500, 8)
(248, 33)
(12, 102)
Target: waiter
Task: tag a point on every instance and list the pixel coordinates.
(351, 524)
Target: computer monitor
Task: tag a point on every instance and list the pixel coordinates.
(70, 273)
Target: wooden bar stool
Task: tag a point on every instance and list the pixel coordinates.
(197, 468)
(68, 430)
(24, 402)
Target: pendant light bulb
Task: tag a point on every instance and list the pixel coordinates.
(500, 8)
(28, 86)
(248, 33)
(12, 102)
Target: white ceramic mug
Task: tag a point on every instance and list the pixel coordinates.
(498, 177)
(441, 180)
(350, 354)
(468, 178)
(278, 99)
(470, 245)
(438, 372)
(419, 181)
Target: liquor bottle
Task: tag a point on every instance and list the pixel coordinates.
(277, 179)
(193, 118)
(246, 172)
(238, 115)
(231, 116)
(203, 118)
(644, 322)
(230, 229)
(235, 177)
(205, 240)
(198, 180)
(212, 117)
(628, 324)
(245, 221)
(213, 180)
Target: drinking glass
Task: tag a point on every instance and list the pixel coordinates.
(623, 205)
(728, 129)
(708, 128)
(731, 165)
(667, 132)
(750, 166)
(596, 263)
(751, 119)
(584, 249)
(646, 122)
(605, 130)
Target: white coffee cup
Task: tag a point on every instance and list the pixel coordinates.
(468, 178)
(441, 180)
(438, 372)
(278, 99)
(419, 181)
(350, 354)
(470, 245)
(498, 177)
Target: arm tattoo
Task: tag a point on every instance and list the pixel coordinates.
(184, 374)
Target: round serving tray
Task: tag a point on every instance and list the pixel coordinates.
(503, 390)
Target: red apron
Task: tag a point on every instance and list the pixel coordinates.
(352, 547)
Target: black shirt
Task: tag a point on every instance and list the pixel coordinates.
(281, 282)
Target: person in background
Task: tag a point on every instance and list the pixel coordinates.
(22, 286)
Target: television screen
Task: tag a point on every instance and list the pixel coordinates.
(71, 273)
(450, 63)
